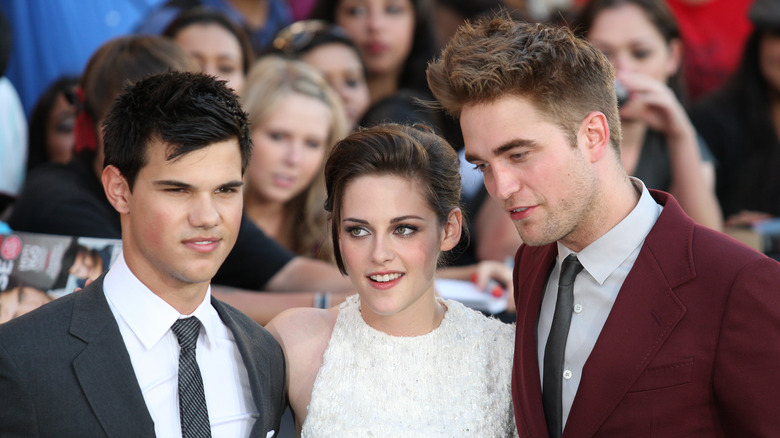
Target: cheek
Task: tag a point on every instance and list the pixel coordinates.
(154, 228)
(314, 160)
(231, 215)
(351, 254)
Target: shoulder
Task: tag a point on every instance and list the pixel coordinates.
(485, 329)
(303, 328)
(29, 334)
(684, 249)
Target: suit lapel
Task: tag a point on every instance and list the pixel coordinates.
(256, 366)
(103, 368)
(644, 315)
(527, 386)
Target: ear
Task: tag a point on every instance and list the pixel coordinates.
(116, 188)
(452, 230)
(594, 135)
(675, 56)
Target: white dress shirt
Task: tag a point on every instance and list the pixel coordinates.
(606, 263)
(145, 322)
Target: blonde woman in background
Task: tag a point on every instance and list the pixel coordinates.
(295, 118)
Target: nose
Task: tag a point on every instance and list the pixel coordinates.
(292, 155)
(375, 18)
(209, 69)
(622, 62)
(381, 251)
(204, 212)
(501, 183)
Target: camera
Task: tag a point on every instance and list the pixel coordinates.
(621, 92)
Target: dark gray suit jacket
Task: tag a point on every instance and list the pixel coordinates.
(65, 372)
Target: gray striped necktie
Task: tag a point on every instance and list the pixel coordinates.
(193, 412)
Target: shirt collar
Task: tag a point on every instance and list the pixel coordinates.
(602, 257)
(149, 316)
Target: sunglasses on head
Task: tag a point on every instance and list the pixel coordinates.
(299, 35)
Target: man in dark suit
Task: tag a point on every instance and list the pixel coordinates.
(632, 320)
(105, 361)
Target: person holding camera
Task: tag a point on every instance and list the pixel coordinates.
(660, 146)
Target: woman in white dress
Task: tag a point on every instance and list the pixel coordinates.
(395, 360)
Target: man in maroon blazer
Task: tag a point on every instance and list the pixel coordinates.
(670, 329)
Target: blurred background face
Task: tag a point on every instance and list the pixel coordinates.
(20, 300)
(59, 130)
(289, 148)
(383, 30)
(217, 50)
(343, 70)
(632, 43)
(769, 56)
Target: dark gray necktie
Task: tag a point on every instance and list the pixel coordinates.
(556, 346)
(193, 412)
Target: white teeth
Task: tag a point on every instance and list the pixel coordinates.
(385, 278)
(517, 210)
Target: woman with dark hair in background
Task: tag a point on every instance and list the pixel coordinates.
(396, 41)
(220, 46)
(741, 123)
(260, 19)
(328, 48)
(660, 145)
(52, 123)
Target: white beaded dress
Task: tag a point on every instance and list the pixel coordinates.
(452, 382)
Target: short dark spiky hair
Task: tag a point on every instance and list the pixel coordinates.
(187, 111)
(565, 77)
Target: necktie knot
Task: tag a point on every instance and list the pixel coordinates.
(187, 331)
(569, 269)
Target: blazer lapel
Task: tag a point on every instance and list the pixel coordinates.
(527, 386)
(256, 366)
(644, 315)
(104, 370)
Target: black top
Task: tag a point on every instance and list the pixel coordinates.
(748, 154)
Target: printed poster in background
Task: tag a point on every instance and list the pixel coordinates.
(37, 268)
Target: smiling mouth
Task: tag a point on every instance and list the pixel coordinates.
(385, 278)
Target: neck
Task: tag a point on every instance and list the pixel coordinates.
(631, 147)
(183, 296)
(419, 319)
(269, 217)
(613, 201)
(381, 86)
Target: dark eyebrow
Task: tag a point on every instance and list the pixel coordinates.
(394, 220)
(232, 185)
(511, 144)
(173, 183)
(183, 185)
(351, 219)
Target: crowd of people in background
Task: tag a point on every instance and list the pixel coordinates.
(368, 60)
(354, 111)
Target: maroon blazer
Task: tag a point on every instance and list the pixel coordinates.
(691, 347)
